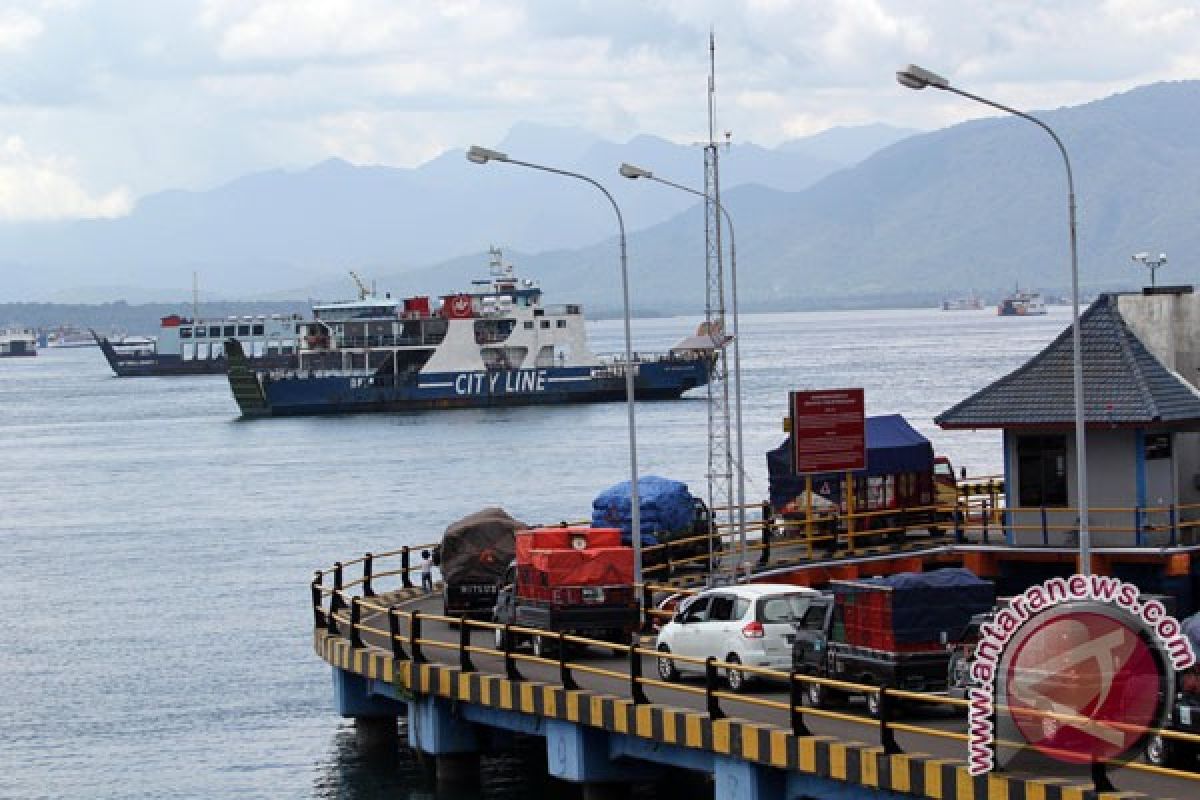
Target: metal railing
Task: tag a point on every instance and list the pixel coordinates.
(360, 615)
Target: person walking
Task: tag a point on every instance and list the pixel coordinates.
(426, 571)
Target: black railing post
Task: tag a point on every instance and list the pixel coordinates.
(668, 571)
(959, 520)
(710, 686)
(335, 600)
(318, 610)
(1137, 525)
(405, 566)
(414, 637)
(887, 737)
(796, 700)
(1174, 525)
(764, 556)
(564, 671)
(636, 692)
(510, 664)
(368, 569)
(986, 515)
(1045, 528)
(398, 653)
(355, 619)
(646, 623)
(464, 644)
(1101, 782)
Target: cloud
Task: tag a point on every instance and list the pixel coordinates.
(18, 29)
(41, 188)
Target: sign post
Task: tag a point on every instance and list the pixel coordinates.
(829, 435)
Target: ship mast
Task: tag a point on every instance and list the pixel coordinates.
(195, 297)
(720, 455)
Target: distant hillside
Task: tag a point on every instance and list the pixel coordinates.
(277, 230)
(980, 205)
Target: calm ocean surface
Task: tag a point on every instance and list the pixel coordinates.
(158, 548)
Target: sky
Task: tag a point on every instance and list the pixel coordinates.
(106, 101)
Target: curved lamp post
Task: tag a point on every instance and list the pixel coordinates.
(633, 173)
(915, 77)
(482, 155)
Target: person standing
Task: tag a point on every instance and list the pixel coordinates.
(426, 571)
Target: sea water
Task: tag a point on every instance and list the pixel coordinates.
(157, 548)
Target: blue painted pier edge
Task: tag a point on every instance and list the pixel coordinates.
(596, 738)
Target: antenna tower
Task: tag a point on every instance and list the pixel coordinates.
(720, 455)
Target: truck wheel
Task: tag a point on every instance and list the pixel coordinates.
(666, 667)
(818, 696)
(1164, 752)
(873, 706)
(499, 633)
(735, 678)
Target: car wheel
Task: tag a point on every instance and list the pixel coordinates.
(736, 679)
(666, 667)
(499, 634)
(1158, 751)
(1164, 752)
(814, 695)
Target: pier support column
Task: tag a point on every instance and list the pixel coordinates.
(353, 696)
(735, 779)
(456, 772)
(580, 754)
(434, 728)
(375, 733)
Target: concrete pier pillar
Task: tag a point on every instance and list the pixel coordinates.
(435, 728)
(375, 733)
(456, 772)
(735, 779)
(355, 697)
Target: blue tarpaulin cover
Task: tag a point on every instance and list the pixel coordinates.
(892, 446)
(924, 604)
(664, 504)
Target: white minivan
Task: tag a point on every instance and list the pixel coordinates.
(748, 624)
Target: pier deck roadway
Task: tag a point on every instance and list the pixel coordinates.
(1130, 783)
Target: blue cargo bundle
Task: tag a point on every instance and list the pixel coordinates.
(666, 506)
(922, 605)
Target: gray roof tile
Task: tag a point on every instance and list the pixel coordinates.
(1123, 383)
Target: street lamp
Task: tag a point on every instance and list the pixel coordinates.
(482, 155)
(633, 173)
(915, 77)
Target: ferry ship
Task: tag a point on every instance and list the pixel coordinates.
(195, 346)
(17, 342)
(1022, 303)
(493, 345)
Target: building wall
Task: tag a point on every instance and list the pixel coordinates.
(1112, 484)
(1169, 326)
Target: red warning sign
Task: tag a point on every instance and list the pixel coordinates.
(828, 431)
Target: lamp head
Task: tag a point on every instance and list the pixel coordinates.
(630, 171)
(915, 77)
(482, 155)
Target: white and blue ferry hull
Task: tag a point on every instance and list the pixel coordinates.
(337, 394)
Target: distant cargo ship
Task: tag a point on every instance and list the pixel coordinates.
(17, 342)
(971, 302)
(1022, 303)
(70, 337)
(195, 346)
(493, 345)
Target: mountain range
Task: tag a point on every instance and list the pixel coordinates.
(850, 215)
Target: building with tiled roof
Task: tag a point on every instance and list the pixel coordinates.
(1142, 415)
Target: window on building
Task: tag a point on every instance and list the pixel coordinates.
(1042, 471)
(1158, 445)
(214, 331)
(229, 330)
(545, 323)
(243, 330)
(529, 325)
(185, 333)
(258, 330)
(560, 323)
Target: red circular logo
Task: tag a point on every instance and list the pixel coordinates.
(1092, 666)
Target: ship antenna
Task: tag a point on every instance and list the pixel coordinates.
(195, 297)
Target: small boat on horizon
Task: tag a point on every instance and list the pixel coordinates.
(972, 302)
(1022, 303)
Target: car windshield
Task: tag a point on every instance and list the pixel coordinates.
(782, 607)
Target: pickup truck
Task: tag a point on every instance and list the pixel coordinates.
(568, 580)
(887, 632)
(472, 556)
